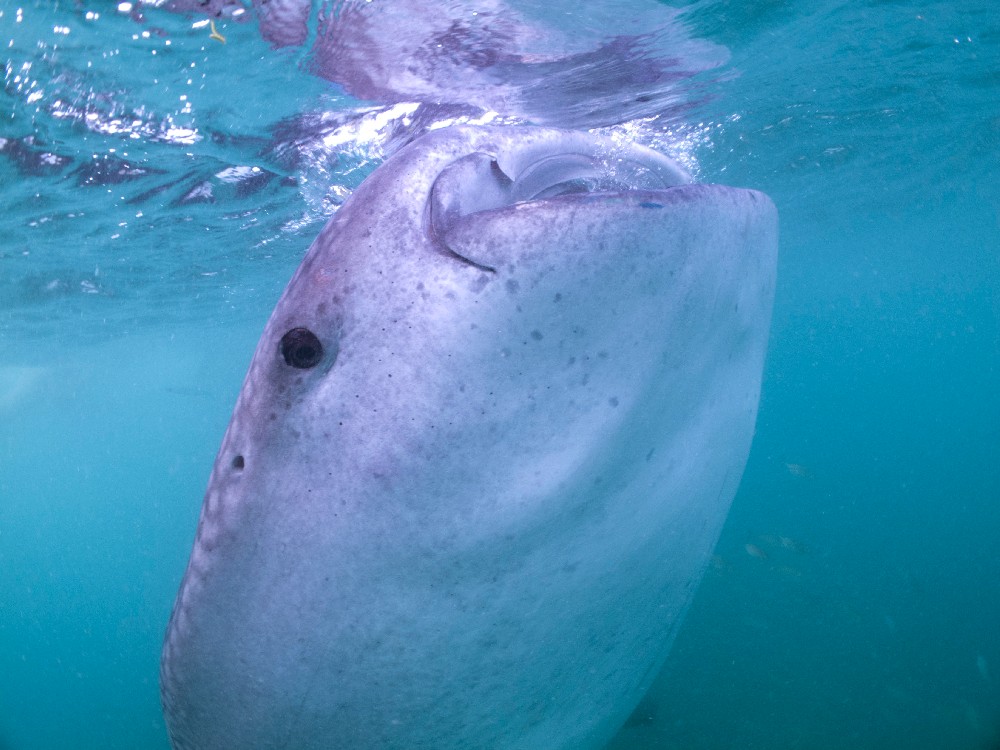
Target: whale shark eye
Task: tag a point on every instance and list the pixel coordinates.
(301, 348)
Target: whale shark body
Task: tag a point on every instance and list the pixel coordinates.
(484, 449)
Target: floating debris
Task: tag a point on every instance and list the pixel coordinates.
(215, 33)
(754, 551)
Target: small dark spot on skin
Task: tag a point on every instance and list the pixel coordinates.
(602, 355)
(557, 298)
(238, 463)
(613, 401)
(650, 204)
(512, 286)
(536, 335)
(479, 283)
(650, 454)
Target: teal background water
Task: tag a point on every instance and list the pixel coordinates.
(854, 600)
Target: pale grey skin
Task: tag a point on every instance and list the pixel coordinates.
(478, 520)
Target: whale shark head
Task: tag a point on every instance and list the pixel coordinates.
(485, 446)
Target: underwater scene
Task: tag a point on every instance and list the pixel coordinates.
(165, 165)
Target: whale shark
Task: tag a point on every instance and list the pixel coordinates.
(481, 456)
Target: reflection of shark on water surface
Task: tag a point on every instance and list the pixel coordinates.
(516, 58)
(482, 454)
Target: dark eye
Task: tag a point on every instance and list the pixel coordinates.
(301, 348)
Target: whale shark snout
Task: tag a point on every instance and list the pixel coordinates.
(483, 451)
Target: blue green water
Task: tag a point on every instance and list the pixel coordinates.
(854, 600)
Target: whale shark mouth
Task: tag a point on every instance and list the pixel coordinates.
(482, 182)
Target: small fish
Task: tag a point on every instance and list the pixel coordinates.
(754, 551)
(17, 383)
(798, 470)
(971, 715)
(719, 563)
(793, 545)
(788, 571)
(983, 667)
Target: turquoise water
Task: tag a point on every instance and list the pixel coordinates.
(854, 598)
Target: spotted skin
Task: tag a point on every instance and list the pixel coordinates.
(475, 516)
